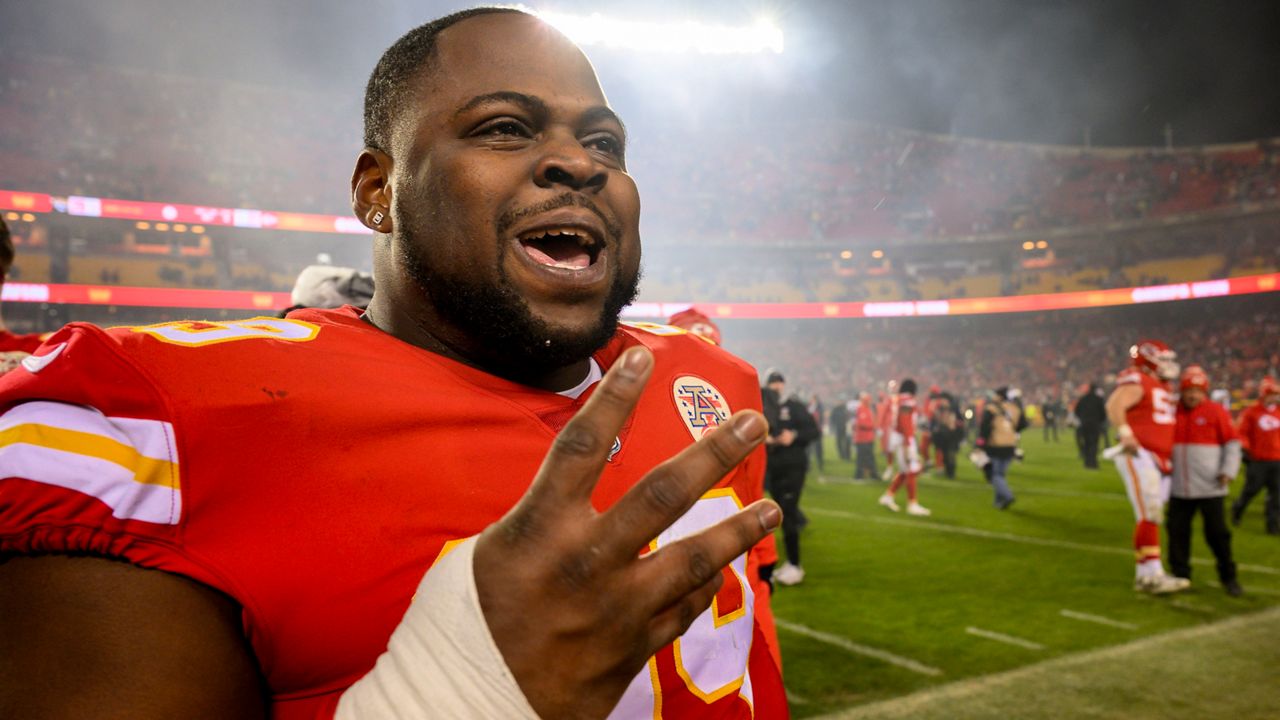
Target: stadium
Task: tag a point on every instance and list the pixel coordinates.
(1020, 207)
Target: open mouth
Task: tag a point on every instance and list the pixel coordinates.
(567, 248)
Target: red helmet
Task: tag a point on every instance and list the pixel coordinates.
(1157, 357)
(1268, 386)
(696, 323)
(1194, 376)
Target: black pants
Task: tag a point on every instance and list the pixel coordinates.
(843, 446)
(815, 449)
(866, 462)
(1262, 474)
(785, 484)
(1089, 445)
(1178, 516)
(1051, 426)
(949, 461)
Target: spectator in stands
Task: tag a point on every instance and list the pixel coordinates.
(864, 439)
(1259, 427)
(1206, 457)
(791, 430)
(1002, 420)
(1091, 412)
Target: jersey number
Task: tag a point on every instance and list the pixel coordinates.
(1163, 411)
(710, 659)
(195, 333)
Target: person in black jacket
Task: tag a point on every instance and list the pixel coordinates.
(791, 429)
(1091, 411)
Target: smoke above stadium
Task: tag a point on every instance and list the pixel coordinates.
(1055, 73)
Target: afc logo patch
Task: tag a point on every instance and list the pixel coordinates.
(701, 406)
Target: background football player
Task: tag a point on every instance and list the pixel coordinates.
(1143, 412)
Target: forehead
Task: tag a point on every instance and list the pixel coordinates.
(509, 52)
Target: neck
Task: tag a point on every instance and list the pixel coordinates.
(428, 331)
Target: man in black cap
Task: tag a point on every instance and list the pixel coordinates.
(791, 429)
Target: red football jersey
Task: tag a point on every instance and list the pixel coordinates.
(1260, 431)
(313, 467)
(1155, 416)
(12, 342)
(906, 416)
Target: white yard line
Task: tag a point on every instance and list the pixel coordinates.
(1006, 639)
(1248, 590)
(795, 699)
(1087, 617)
(908, 705)
(1183, 604)
(858, 649)
(1012, 537)
(961, 485)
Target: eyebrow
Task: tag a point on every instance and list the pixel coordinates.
(536, 106)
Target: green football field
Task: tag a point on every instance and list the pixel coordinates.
(1026, 613)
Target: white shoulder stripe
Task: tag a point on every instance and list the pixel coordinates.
(106, 481)
(150, 438)
(129, 464)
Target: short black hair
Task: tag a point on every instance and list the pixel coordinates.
(392, 78)
(907, 387)
(7, 251)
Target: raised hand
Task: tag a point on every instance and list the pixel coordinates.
(570, 601)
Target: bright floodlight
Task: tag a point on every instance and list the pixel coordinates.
(668, 37)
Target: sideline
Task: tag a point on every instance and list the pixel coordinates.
(908, 705)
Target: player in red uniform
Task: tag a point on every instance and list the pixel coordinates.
(13, 346)
(267, 493)
(906, 454)
(1143, 412)
(1259, 427)
(886, 413)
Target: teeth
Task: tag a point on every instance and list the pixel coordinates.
(583, 239)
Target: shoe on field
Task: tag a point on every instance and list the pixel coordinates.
(789, 574)
(915, 508)
(887, 501)
(1161, 584)
(1233, 588)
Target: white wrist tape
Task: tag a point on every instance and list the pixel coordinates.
(1124, 432)
(441, 661)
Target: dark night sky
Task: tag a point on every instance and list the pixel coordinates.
(1019, 70)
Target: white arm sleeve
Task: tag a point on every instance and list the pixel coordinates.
(441, 661)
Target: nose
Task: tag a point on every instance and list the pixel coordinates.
(567, 163)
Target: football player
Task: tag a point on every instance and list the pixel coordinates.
(1142, 410)
(482, 497)
(906, 453)
(13, 346)
(1259, 428)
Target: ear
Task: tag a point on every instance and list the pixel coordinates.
(371, 190)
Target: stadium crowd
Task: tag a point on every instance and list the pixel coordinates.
(137, 135)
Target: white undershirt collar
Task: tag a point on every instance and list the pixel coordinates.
(593, 376)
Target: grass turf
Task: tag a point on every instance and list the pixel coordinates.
(919, 589)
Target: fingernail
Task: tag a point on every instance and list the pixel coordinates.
(635, 361)
(749, 427)
(770, 517)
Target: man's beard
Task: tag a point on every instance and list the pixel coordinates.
(508, 340)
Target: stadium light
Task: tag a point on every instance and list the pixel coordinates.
(1028, 245)
(877, 254)
(668, 37)
(846, 254)
(179, 227)
(143, 225)
(1042, 245)
(197, 229)
(28, 217)
(11, 216)
(162, 227)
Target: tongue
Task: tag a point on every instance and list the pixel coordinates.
(558, 252)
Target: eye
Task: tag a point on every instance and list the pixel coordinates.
(606, 144)
(504, 128)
